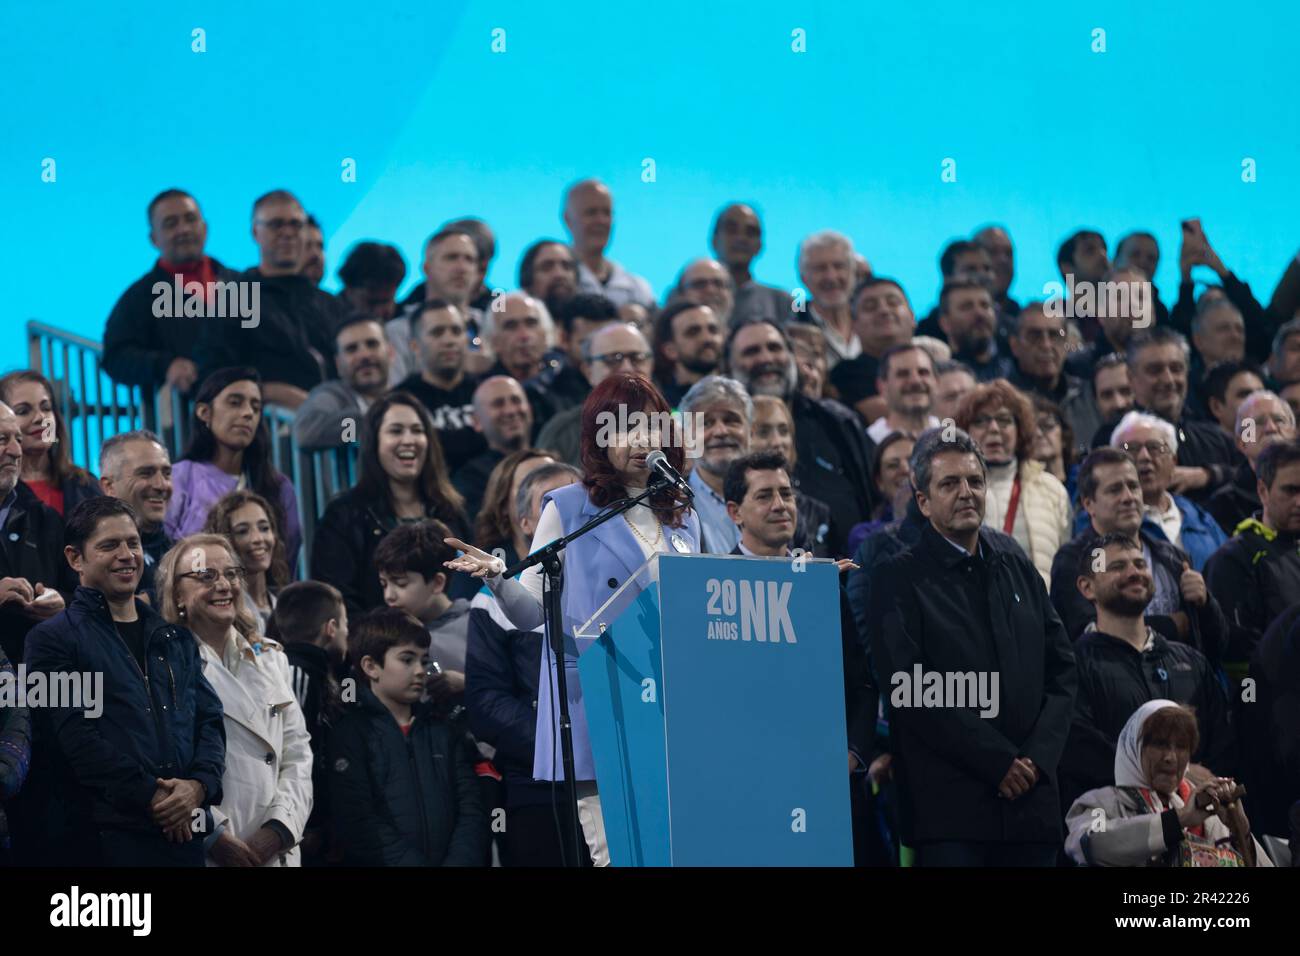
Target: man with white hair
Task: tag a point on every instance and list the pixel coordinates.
(826, 269)
(724, 411)
(1262, 419)
(589, 217)
(1152, 443)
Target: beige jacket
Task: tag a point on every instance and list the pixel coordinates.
(268, 749)
(1046, 507)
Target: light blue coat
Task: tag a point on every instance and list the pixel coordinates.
(595, 566)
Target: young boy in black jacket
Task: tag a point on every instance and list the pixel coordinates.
(311, 622)
(402, 784)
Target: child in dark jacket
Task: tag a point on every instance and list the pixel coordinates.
(402, 785)
(311, 621)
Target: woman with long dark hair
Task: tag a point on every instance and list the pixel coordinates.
(614, 467)
(403, 480)
(47, 471)
(248, 521)
(230, 450)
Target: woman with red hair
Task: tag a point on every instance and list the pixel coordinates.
(618, 433)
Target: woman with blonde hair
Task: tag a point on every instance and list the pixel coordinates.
(266, 786)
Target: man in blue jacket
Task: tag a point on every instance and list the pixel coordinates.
(136, 771)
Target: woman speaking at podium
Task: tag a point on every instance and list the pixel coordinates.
(615, 443)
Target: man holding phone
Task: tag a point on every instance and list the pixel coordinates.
(1197, 251)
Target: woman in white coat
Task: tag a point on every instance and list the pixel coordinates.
(267, 791)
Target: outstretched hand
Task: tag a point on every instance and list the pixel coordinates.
(474, 561)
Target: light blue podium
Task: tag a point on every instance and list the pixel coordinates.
(714, 694)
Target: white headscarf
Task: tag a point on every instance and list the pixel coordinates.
(1128, 754)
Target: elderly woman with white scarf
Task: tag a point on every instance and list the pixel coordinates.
(1154, 816)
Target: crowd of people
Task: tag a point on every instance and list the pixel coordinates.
(1094, 497)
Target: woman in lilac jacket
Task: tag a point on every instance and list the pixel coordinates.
(230, 450)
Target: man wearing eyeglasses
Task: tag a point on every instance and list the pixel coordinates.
(1038, 346)
(706, 282)
(1152, 443)
(292, 332)
(616, 347)
(1261, 419)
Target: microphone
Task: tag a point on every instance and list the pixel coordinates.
(657, 462)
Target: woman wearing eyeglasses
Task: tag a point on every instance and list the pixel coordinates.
(266, 786)
(615, 467)
(1023, 499)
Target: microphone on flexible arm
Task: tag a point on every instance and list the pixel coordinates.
(657, 462)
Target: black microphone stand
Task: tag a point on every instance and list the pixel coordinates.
(549, 558)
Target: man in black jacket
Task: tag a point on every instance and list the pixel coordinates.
(403, 791)
(31, 549)
(1124, 662)
(1111, 493)
(1158, 364)
(134, 781)
(1256, 574)
(965, 608)
(142, 347)
(291, 334)
(833, 459)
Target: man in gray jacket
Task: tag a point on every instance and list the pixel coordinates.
(331, 415)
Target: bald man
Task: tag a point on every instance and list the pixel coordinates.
(504, 417)
(737, 241)
(617, 347)
(589, 217)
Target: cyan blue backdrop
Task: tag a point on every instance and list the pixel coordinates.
(1047, 135)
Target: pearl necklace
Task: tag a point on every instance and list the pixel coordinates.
(659, 533)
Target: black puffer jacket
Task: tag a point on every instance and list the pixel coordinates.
(404, 799)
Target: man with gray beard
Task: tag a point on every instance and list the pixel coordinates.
(833, 463)
(725, 412)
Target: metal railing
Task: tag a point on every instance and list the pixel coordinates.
(95, 408)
